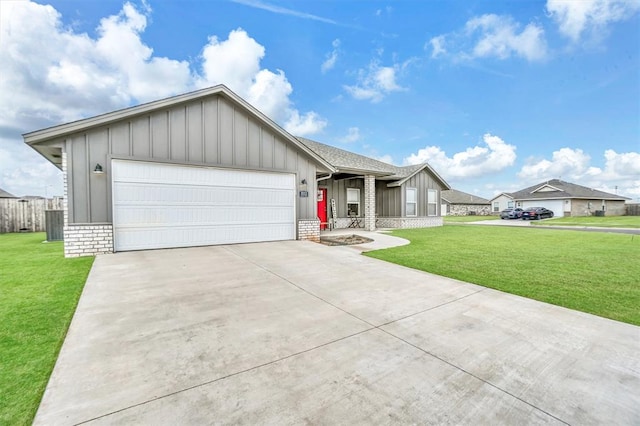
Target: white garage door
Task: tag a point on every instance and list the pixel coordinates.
(158, 205)
(557, 206)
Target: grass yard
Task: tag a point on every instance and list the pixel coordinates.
(464, 219)
(591, 272)
(39, 290)
(605, 222)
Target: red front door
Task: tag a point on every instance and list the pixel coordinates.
(322, 207)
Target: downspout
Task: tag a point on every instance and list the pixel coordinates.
(324, 178)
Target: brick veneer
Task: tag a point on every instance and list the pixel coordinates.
(88, 240)
(409, 222)
(395, 222)
(369, 203)
(309, 229)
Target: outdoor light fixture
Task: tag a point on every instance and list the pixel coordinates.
(304, 181)
(98, 169)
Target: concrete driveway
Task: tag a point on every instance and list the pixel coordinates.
(296, 332)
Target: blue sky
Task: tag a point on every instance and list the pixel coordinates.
(495, 95)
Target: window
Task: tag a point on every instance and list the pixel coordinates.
(412, 202)
(496, 206)
(510, 204)
(432, 202)
(353, 202)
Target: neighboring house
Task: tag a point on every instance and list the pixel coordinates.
(458, 203)
(207, 168)
(5, 194)
(565, 199)
(501, 202)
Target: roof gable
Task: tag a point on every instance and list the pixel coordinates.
(38, 139)
(547, 188)
(502, 194)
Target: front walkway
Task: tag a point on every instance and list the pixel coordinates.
(381, 238)
(297, 332)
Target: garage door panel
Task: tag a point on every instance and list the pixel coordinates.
(162, 194)
(160, 237)
(201, 215)
(164, 205)
(171, 174)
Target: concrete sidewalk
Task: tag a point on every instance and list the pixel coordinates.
(298, 332)
(520, 223)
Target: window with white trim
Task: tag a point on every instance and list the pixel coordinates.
(412, 202)
(353, 202)
(496, 206)
(510, 204)
(432, 202)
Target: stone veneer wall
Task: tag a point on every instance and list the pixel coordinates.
(309, 229)
(464, 209)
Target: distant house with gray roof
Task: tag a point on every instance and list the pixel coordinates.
(563, 198)
(458, 203)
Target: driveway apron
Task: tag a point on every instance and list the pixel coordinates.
(296, 332)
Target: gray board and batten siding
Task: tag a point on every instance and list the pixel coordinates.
(390, 201)
(210, 131)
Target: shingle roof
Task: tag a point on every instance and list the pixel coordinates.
(5, 194)
(453, 196)
(565, 190)
(346, 161)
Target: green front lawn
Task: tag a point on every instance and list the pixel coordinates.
(587, 271)
(464, 219)
(606, 221)
(39, 290)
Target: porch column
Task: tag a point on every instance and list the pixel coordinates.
(369, 203)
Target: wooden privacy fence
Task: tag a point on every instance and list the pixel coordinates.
(26, 214)
(632, 209)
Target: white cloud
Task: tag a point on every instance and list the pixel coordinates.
(353, 135)
(476, 161)
(332, 57)
(492, 36)
(56, 75)
(576, 17)
(375, 82)
(25, 172)
(564, 162)
(574, 165)
(499, 37)
(303, 125)
(437, 45)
